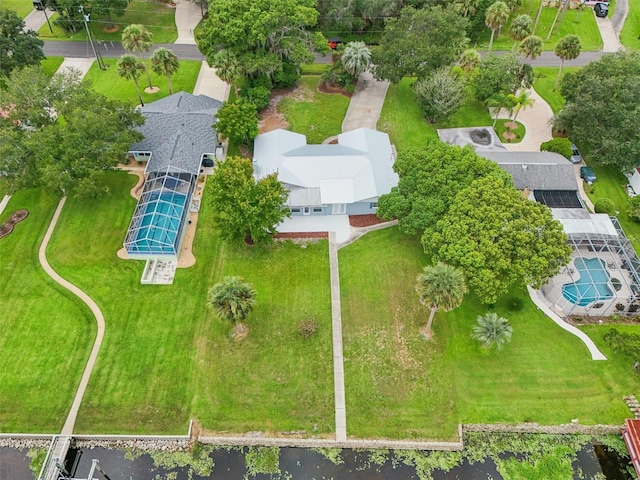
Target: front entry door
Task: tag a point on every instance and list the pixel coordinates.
(339, 208)
(306, 210)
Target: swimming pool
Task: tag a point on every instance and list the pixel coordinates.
(593, 284)
(160, 223)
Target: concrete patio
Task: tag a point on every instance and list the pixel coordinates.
(318, 223)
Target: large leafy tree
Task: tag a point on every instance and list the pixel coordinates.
(496, 17)
(18, 47)
(567, 48)
(264, 36)
(499, 75)
(419, 42)
(237, 121)
(498, 239)
(492, 330)
(242, 207)
(440, 287)
(75, 133)
(440, 95)
(607, 124)
(108, 8)
(430, 178)
(130, 68)
(165, 62)
(137, 39)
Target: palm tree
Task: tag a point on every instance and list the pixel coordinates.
(465, 7)
(495, 18)
(535, 24)
(520, 29)
(165, 62)
(469, 60)
(130, 68)
(498, 102)
(440, 286)
(226, 65)
(567, 48)
(520, 102)
(530, 47)
(562, 9)
(233, 299)
(492, 330)
(356, 58)
(136, 38)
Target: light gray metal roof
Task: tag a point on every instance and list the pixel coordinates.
(178, 131)
(536, 170)
(358, 167)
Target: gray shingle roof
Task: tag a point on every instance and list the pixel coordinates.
(536, 170)
(178, 131)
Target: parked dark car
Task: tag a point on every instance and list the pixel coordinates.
(39, 4)
(601, 9)
(588, 175)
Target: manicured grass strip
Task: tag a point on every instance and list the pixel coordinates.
(418, 389)
(50, 65)
(402, 119)
(166, 358)
(46, 333)
(314, 68)
(630, 35)
(317, 115)
(611, 184)
(159, 19)
(21, 7)
(545, 79)
(582, 24)
(391, 374)
(110, 84)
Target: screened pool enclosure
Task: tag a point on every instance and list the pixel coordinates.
(159, 220)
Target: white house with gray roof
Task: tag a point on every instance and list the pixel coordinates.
(178, 136)
(332, 179)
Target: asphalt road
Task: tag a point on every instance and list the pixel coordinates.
(191, 52)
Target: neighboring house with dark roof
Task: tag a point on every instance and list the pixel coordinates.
(332, 179)
(178, 134)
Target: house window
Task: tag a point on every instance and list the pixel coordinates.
(373, 205)
(295, 210)
(317, 209)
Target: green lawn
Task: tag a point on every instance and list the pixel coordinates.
(545, 79)
(156, 17)
(582, 24)
(402, 119)
(109, 83)
(317, 115)
(50, 65)
(612, 185)
(418, 389)
(166, 358)
(21, 7)
(500, 129)
(45, 332)
(630, 35)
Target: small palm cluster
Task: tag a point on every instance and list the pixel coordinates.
(492, 331)
(233, 299)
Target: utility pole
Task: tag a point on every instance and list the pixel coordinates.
(85, 18)
(44, 5)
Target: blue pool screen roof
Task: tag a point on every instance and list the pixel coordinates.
(158, 221)
(178, 131)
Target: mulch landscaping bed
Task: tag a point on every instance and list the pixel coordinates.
(7, 227)
(279, 236)
(364, 220)
(324, 88)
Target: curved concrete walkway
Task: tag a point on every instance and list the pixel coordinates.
(593, 350)
(67, 429)
(536, 120)
(187, 17)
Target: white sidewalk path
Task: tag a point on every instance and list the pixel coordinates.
(36, 19)
(80, 64)
(593, 350)
(187, 17)
(609, 37)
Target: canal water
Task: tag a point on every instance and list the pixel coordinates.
(298, 463)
